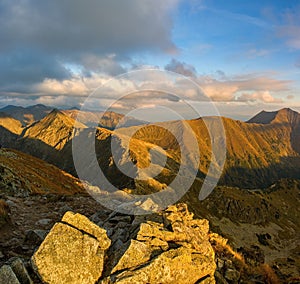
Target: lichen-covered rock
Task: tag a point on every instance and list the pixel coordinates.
(136, 254)
(73, 252)
(7, 275)
(84, 224)
(181, 265)
(175, 251)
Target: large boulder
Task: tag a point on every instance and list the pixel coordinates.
(73, 252)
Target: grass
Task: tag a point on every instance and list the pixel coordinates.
(224, 250)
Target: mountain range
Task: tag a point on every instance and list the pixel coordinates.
(258, 152)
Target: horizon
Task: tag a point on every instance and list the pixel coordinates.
(242, 118)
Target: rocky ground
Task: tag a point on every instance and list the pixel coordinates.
(170, 247)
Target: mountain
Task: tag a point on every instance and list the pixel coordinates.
(285, 115)
(55, 129)
(27, 115)
(257, 154)
(10, 123)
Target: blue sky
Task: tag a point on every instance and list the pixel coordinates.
(244, 54)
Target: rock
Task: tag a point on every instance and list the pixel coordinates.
(43, 222)
(136, 254)
(34, 237)
(65, 208)
(168, 247)
(20, 271)
(175, 251)
(219, 278)
(180, 265)
(232, 274)
(73, 252)
(220, 263)
(7, 275)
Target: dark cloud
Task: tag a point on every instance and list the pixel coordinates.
(107, 64)
(181, 68)
(45, 39)
(21, 68)
(103, 26)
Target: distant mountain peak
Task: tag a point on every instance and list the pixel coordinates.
(57, 115)
(284, 115)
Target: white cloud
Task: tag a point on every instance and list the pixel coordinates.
(263, 96)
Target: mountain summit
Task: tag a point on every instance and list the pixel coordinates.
(285, 115)
(55, 129)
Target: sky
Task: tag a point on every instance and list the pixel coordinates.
(244, 55)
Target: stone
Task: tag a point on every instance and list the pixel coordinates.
(73, 252)
(43, 222)
(20, 271)
(7, 275)
(136, 254)
(232, 274)
(35, 237)
(219, 278)
(65, 208)
(83, 223)
(174, 251)
(180, 265)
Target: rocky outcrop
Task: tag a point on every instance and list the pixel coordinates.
(176, 250)
(170, 247)
(73, 252)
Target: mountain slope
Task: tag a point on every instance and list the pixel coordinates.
(10, 123)
(27, 115)
(22, 174)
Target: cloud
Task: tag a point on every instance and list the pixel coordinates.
(101, 26)
(263, 96)
(40, 40)
(244, 88)
(105, 64)
(181, 68)
(19, 69)
(254, 53)
(290, 28)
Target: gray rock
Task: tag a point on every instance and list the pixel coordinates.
(35, 237)
(7, 276)
(43, 222)
(21, 272)
(64, 209)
